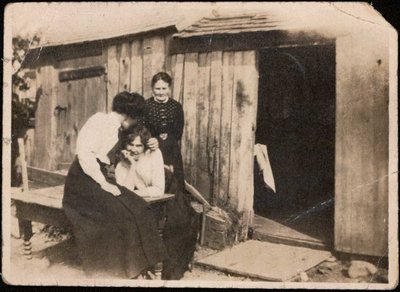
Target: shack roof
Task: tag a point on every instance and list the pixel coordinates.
(95, 23)
(89, 34)
(326, 19)
(231, 24)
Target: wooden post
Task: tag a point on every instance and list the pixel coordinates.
(23, 164)
(203, 223)
(25, 231)
(25, 226)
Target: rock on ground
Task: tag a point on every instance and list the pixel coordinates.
(361, 269)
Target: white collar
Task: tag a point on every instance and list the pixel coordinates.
(165, 101)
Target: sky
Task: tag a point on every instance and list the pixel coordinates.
(65, 21)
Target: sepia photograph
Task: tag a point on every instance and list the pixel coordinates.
(200, 144)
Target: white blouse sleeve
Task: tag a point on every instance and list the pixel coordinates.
(87, 145)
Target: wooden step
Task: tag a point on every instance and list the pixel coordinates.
(271, 231)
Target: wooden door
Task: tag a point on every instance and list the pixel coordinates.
(362, 143)
(79, 98)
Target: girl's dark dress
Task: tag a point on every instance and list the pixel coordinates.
(166, 121)
(115, 236)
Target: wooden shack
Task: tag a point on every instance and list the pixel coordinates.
(318, 97)
(81, 78)
(318, 94)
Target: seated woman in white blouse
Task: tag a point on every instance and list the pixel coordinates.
(140, 169)
(115, 231)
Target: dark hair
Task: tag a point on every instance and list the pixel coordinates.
(130, 104)
(161, 76)
(129, 135)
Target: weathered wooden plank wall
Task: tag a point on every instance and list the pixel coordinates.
(361, 171)
(81, 98)
(136, 67)
(45, 123)
(245, 104)
(189, 108)
(214, 125)
(220, 103)
(125, 67)
(113, 56)
(177, 63)
(153, 60)
(201, 159)
(226, 125)
(132, 64)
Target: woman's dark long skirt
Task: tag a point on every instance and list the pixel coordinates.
(115, 236)
(180, 231)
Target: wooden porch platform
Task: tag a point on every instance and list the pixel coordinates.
(265, 260)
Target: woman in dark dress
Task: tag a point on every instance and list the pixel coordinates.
(114, 229)
(165, 118)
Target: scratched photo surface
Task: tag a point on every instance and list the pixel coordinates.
(209, 144)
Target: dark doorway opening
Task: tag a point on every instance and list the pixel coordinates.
(296, 122)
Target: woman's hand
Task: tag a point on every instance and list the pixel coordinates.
(114, 190)
(128, 156)
(169, 168)
(152, 143)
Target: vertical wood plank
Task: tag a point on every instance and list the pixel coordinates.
(83, 101)
(247, 101)
(172, 73)
(178, 78)
(52, 85)
(40, 118)
(168, 57)
(235, 139)
(112, 74)
(153, 61)
(46, 143)
(201, 144)
(147, 66)
(76, 116)
(38, 133)
(69, 133)
(136, 67)
(226, 124)
(96, 96)
(62, 121)
(361, 167)
(214, 124)
(125, 67)
(159, 56)
(189, 108)
(244, 111)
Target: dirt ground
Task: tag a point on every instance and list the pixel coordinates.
(55, 257)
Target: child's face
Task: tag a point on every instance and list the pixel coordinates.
(135, 148)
